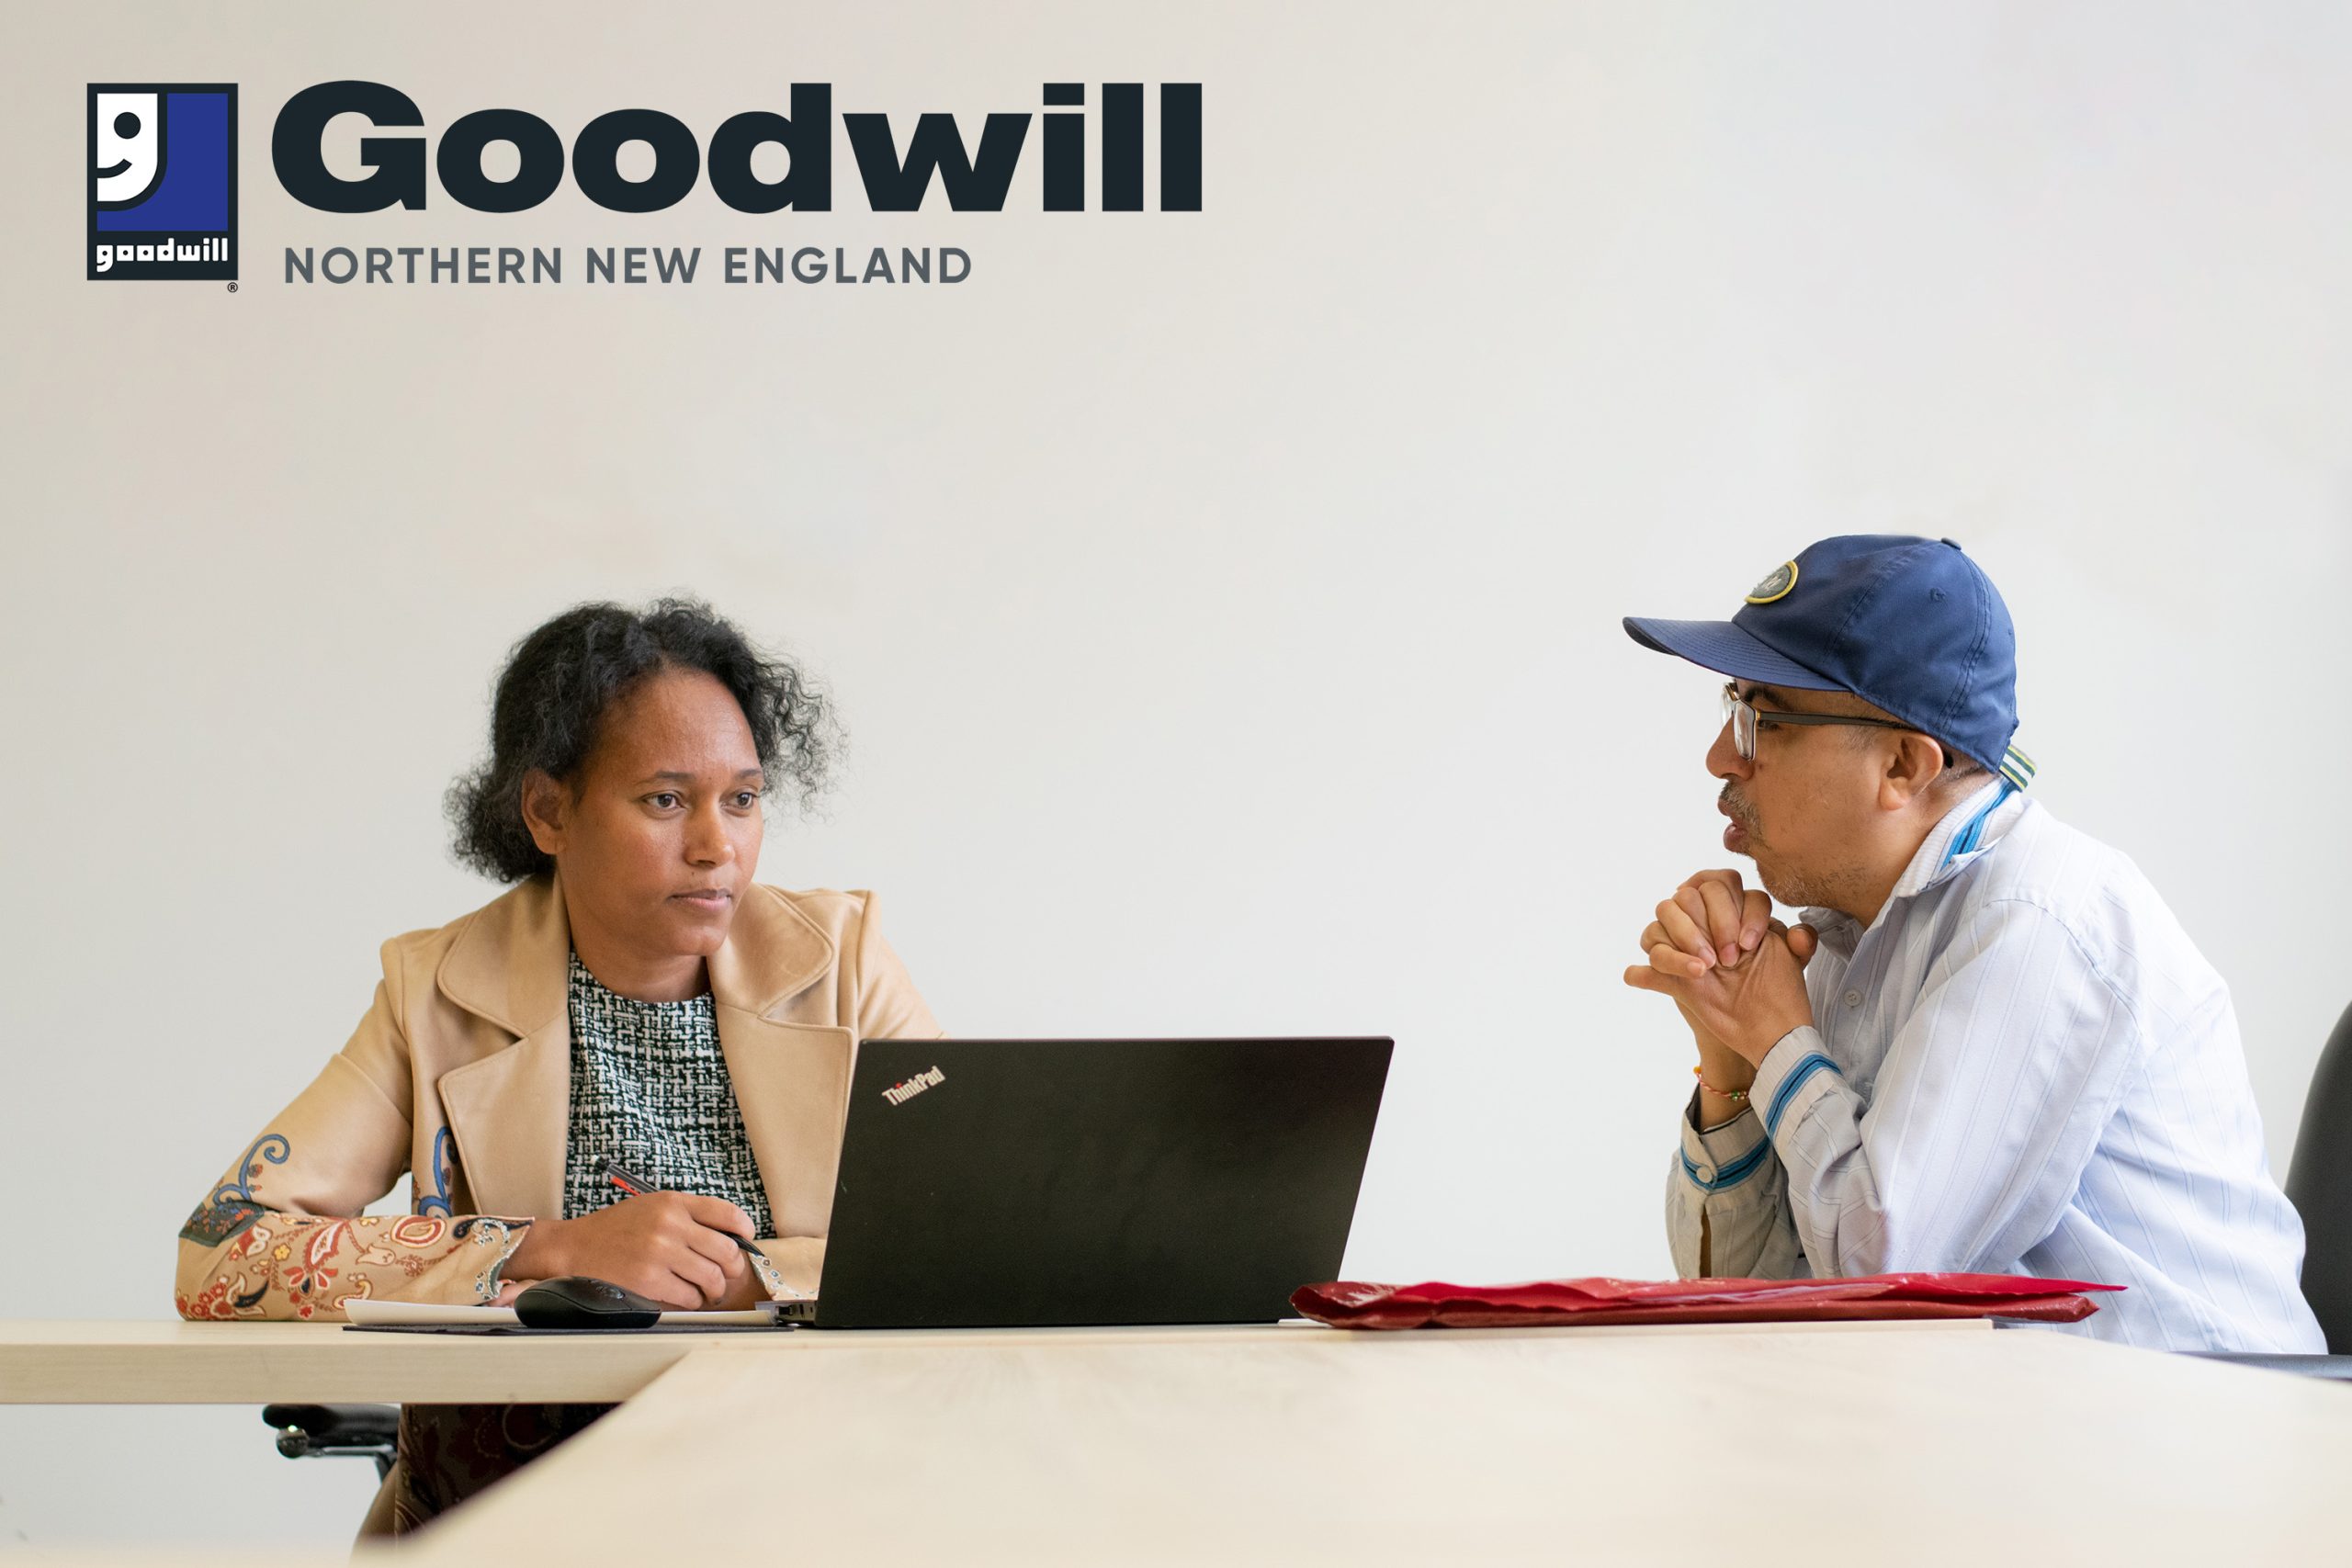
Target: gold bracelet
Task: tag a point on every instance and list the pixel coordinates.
(1734, 1095)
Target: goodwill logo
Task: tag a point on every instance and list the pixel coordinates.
(163, 180)
(408, 166)
(163, 174)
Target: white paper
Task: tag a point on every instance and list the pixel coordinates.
(365, 1311)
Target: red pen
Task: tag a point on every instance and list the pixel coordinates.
(638, 1186)
(623, 1179)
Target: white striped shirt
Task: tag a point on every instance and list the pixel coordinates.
(2022, 1067)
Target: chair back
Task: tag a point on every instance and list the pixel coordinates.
(2319, 1183)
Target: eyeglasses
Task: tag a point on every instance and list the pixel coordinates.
(1744, 719)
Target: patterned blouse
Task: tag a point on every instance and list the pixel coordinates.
(650, 1088)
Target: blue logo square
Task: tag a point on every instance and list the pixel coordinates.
(163, 180)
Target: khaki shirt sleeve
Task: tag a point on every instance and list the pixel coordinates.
(1727, 1202)
(281, 1236)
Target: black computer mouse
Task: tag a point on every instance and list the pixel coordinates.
(577, 1301)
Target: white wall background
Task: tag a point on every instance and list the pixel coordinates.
(1225, 605)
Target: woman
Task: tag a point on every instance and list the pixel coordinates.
(635, 995)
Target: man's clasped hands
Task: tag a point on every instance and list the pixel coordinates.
(1736, 974)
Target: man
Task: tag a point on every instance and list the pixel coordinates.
(1989, 1047)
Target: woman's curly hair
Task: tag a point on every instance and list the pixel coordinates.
(562, 680)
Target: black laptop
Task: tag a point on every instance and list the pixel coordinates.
(1032, 1182)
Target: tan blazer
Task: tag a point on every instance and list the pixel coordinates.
(461, 1074)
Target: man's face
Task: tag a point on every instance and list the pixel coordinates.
(1800, 807)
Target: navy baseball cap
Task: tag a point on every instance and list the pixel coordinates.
(1908, 625)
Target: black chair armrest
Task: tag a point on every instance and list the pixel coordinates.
(305, 1429)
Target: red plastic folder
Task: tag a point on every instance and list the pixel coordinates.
(1436, 1304)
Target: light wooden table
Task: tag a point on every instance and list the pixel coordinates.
(1920, 1443)
(1917, 1447)
(170, 1363)
(64, 1362)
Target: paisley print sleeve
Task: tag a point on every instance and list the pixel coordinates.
(283, 1235)
(252, 1260)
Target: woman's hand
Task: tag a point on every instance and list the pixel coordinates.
(746, 1293)
(672, 1247)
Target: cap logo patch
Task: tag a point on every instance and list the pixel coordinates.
(1775, 587)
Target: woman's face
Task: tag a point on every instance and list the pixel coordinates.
(658, 835)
